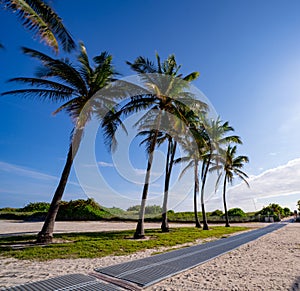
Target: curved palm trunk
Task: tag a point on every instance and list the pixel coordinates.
(140, 231)
(196, 192)
(46, 234)
(204, 177)
(225, 205)
(169, 167)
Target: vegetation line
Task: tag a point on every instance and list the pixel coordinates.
(101, 244)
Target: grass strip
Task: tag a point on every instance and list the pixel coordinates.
(101, 244)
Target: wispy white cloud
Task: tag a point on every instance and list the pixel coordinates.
(142, 172)
(13, 169)
(273, 183)
(105, 164)
(24, 171)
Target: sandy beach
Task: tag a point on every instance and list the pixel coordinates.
(269, 263)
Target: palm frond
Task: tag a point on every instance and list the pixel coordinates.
(188, 166)
(191, 77)
(39, 17)
(142, 65)
(85, 70)
(58, 69)
(41, 94)
(43, 83)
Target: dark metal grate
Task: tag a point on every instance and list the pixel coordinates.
(145, 272)
(74, 282)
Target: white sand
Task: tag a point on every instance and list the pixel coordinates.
(269, 263)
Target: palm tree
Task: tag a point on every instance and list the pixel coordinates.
(171, 150)
(193, 160)
(39, 17)
(75, 87)
(159, 101)
(215, 137)
(231, 166)
(194, 148)
(170, 159)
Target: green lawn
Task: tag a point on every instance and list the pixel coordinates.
(115, 243)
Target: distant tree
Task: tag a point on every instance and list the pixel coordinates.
(272, 209)
(236, 212)
(287, 211)
(231, 166)
(298, 203)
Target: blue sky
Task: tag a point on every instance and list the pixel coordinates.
(248, 56)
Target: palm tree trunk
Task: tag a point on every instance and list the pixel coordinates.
(45, 236)
(140, 231)
(225, 205)
(204, 177)
(164, 223)
(169, 167)
(196, 192)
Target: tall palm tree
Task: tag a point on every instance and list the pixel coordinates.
(194, 148)
(193, 160)
(39, 17)
(160, 100)
(170, 158)
(75, 86)
(216, 136)
(231, 167)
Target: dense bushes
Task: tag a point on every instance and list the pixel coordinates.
(275, 210)
(150, 209)
(81, 210)
(72, 210)
(90, 210)
(216, 213)
(236, 212)
(37, 206)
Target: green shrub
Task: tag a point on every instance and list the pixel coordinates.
(82, 210)
(287, 212)
(216, 213)
(275, 210)
(236, 212)
(153, 209)
(8, 209)
(36, 206)
(135, 208)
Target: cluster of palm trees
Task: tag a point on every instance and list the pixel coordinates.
(172, 114)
